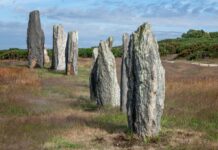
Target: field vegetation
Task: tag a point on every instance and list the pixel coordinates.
(44, 109)
(193, 45)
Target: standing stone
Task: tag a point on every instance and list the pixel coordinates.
(35, 40)
(124, 79)
(95, 55)
(59, 46)
(92, 79)
(46, 57)
(72, 53)
(146, 83)
(110, 42)
(104, 85)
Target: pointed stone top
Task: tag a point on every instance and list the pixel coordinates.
(95, 53)
(34, 15)
(58, 25)
(145, 27)
(103, 45)
(35, 12)
(73, 33)
(110, 38)
(144, 33)
(110, 42)
(125, 36)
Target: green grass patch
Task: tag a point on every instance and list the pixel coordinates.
(210, 127)
(47, 73)
(59, 143)
(118, 118)
(9, 108)
(112, 120)
(85, 104)
(83, 74)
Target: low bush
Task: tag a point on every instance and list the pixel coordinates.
(13, 53)
(85, 52)
(195, 44)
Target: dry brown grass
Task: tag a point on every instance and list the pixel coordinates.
(18, 76)
(17, 85)
(51, 111)
(192, 87)
(192, 98)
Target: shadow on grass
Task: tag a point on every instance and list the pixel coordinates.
(85, 104)
(109, 123)
(108, 118)
(56, 72)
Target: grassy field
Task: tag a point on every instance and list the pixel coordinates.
(43, 109)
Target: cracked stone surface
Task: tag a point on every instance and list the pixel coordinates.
(104, 87)
(146, 83)
(124, 78)
(59, 48)
(72, 53)
(35, 40)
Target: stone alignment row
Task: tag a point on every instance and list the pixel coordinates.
(65, 48)
(142, 91)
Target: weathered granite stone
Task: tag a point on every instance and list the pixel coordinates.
(110, 42)
(104, 85)
(59, 47)
(72, 53)
(46, 57)
(95, 54)
(35, 40)
(124, 79)
(92, 78)
(146, 83)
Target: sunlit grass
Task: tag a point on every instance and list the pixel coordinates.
(39, 107)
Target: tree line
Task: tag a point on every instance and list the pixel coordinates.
(194, 44)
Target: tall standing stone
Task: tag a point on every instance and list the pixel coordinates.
(46, 57)
(59, 46)
(110, 42)
(93, 74)
(146, 83)
(124, 79)
(105, 88)
(72, 53)
(95, 55)
(35, 40)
